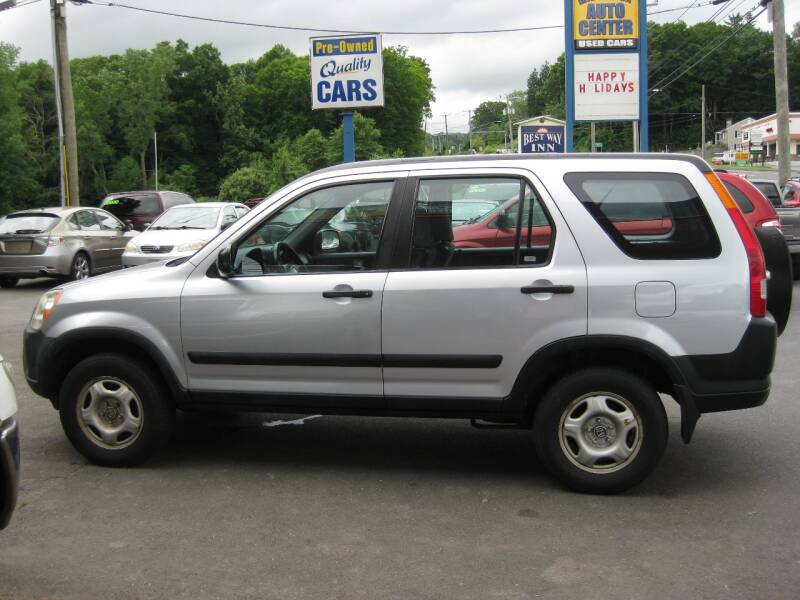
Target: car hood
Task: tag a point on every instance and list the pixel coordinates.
(173, 237)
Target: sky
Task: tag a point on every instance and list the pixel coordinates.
(466, 69)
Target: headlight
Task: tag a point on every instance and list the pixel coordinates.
(190, 246)
(7, 368)
(45, 308)
(131, 247)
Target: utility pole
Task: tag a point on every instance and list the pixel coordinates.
(703, 123)
(469, 124)
(155, 156)
(446, 134)
(508, 111)
(593, 137)
(68, 150)
(781, 90)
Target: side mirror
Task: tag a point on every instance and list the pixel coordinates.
(226, 224)
(328, 240)
(146, 226)
(225, 262)
(503, 222)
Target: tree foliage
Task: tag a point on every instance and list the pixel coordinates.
(213, 120)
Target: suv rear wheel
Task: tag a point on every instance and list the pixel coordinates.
(600, 430)
(115, 411)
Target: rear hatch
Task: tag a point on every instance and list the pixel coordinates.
(26, 233)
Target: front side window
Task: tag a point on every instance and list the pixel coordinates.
(329, 230)
(502, 233)
(648, 215)
(87, 221)
(108, 222)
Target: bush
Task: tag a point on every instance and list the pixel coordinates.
(252, 181)
(125, 176)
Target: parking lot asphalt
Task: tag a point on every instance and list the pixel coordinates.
(253, 506)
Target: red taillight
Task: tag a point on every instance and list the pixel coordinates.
(755, 256)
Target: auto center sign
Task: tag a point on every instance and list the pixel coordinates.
(605, 24)
(346, 71)
(607, 87)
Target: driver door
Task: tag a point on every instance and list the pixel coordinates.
(299, 322)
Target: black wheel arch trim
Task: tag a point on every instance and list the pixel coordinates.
(41, 350)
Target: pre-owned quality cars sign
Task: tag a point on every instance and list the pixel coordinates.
(346, 71)
(605, 24)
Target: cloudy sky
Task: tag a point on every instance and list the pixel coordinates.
(466, 69)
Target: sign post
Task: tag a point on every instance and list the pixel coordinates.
(346, 73)
(606, 64)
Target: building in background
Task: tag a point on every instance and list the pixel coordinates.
(731, 136)
(766, 129)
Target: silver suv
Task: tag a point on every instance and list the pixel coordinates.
(599, 283)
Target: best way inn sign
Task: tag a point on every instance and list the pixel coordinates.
(346, 71)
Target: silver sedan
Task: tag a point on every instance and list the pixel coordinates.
(60, 242)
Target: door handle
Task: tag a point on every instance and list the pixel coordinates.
(547, 289)
(347, 294)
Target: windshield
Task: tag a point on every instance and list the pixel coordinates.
(126, 206)
(470, 211)
(188, 217)
(28, 223)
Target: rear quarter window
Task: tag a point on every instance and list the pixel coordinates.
(739, 197)
(649, 216)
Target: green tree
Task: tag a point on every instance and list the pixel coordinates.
(18, 185)
(367, 139)
(312, 149)
(285, 167)
(124, 175)
(142, 96)
(252, 181)
(183, 179)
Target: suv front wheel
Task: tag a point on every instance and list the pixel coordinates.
(600, 430)
(115, 411)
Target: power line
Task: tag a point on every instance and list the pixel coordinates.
(662, 86)
(323, 30)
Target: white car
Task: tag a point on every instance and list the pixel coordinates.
(9, 445)
(181, 231)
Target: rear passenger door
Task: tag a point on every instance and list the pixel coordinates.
(458, 323)
(92, 239)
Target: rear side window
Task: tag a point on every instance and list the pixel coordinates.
(738, 195)
(649, 216)
(127, 206)
(770, 191)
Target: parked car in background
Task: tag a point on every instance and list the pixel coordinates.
(181, 231)
(717, 158)
(140, 209)
(770, 189)
(9, 445)
(60, 242)
(758, 211)
(791, 193)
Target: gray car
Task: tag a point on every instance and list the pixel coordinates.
(621, 280)
(60, 242)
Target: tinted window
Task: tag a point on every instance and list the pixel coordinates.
(738, 195)
(329, 230)
(28, 223)
(648, 215)
(439, 241)
(770, 191)
(126, 206)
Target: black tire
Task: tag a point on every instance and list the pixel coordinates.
(779, 265)
(76, 262)
(8, 282)
(555, 450)
(155, 410)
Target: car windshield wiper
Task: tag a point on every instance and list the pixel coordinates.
(188, 227)
(29, 231)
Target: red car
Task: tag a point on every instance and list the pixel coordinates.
(758, 211)
(791, 194)
(497, 229)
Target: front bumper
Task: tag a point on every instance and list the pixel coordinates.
(134, 259)
(54, 262)
(9, 469)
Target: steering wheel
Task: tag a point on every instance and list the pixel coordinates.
(294, 264)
